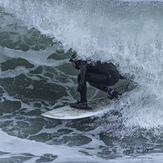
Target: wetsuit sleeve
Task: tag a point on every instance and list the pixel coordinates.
(83, 71)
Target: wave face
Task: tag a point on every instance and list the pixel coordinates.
(37, 37)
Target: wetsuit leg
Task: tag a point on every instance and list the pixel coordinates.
(101, 87)
(100, 80)
(103, 83)
(97, 80)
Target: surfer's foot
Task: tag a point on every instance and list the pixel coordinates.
(79, 105)
(113, 94)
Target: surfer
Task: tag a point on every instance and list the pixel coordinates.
(99, 75)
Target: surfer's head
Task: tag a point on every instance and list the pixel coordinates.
(75, 61)
(73, 58)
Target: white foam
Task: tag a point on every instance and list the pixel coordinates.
(36, 58)
(15, 146)
(141, 0)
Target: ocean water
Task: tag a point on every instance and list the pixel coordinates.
(37, 38)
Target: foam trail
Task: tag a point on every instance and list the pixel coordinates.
(34, 57)
(17, 146)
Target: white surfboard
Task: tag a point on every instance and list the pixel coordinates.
(67, 112)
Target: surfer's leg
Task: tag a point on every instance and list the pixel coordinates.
(100, 79)
(98, 86)
(102, 82)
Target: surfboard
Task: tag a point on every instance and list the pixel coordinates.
(66, 112)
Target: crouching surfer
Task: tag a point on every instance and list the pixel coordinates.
(99, 75)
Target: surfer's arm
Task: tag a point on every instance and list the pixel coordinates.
(83, 71)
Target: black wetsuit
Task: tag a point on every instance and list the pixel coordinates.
(99, 75)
